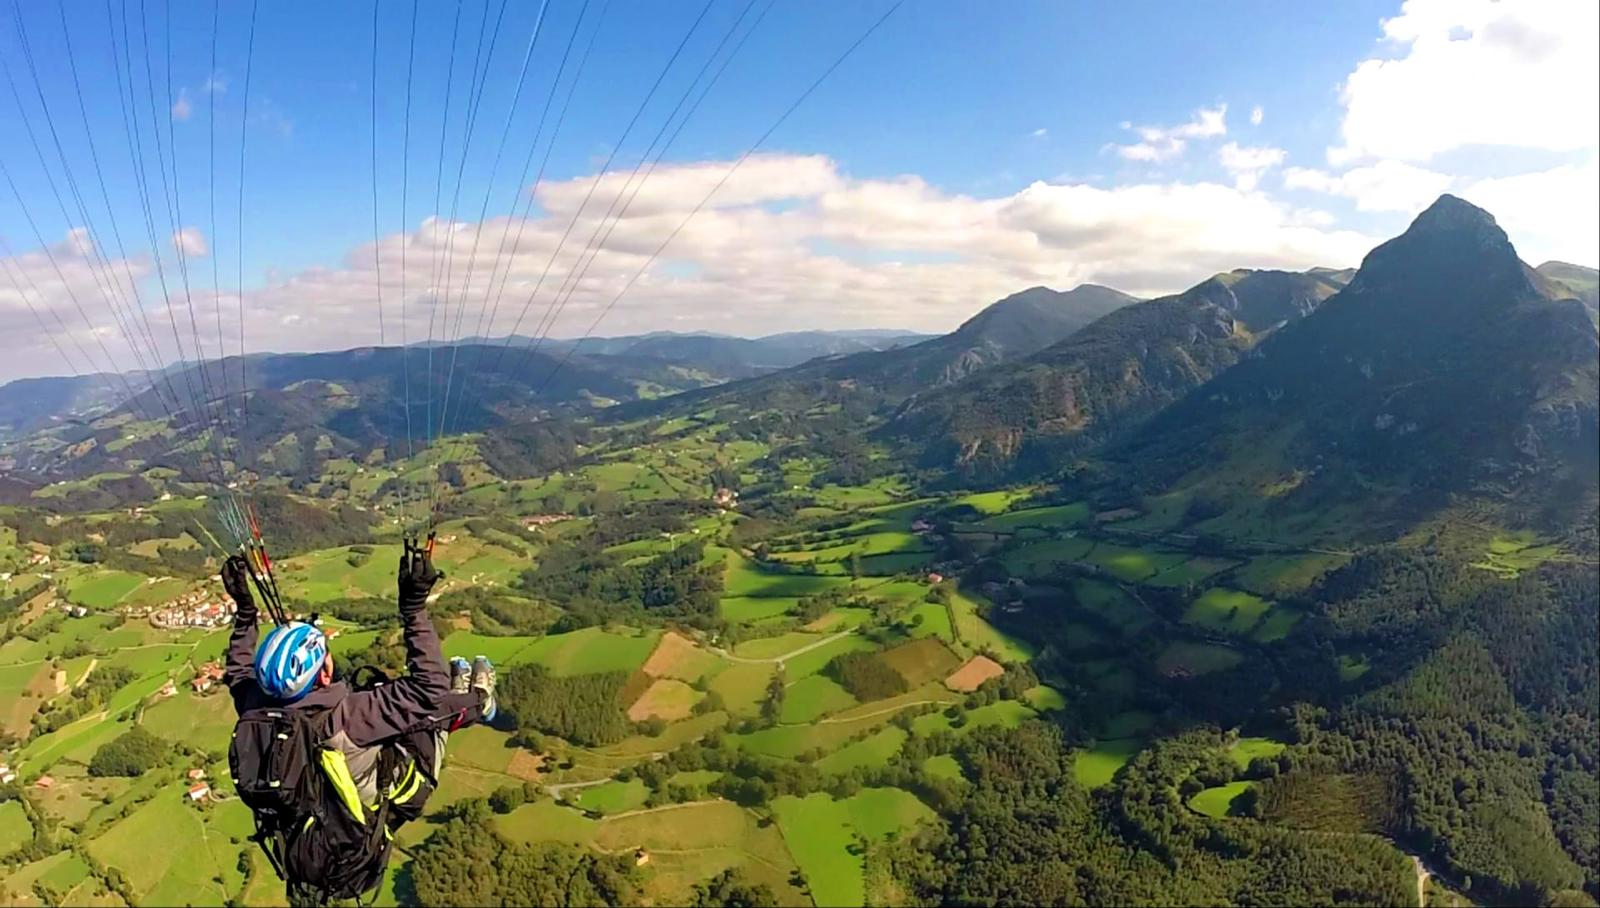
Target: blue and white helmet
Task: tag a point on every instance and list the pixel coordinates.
(287, 662)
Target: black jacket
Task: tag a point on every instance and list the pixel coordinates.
(361, 722)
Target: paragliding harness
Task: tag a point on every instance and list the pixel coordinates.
(310, 821)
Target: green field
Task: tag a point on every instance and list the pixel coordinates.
(690, 843)
(790, 741)
(199, 721)
(1214, 802)
(1113, 604)
(1279, 622)
(1065, 515)
(813, 697)
(545, 821)
(1246, 749)
(103, 588)
(820, 830)
(1193, 570)
(1277, 575)
(612, 797)
(991, 503)
(1045, 699)
(776, 647)
(1039, 558)
(813, 661)
(1002, 714)
(980, 634)
(743, 687)
(875, 750)
(1099, 764)
(943, 766)
(1510, 554)
(1226, 610)
(930, 619)
(1134, 565)
(748, 579)
(592, 649)
(1353, 667)
(747, 610)
(580, 652)
(921, 661)
(193, 850)
(326, 575)
(15, 830)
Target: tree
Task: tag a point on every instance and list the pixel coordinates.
(507, 798)
(731, 888)
(133, 753)
(772, 707)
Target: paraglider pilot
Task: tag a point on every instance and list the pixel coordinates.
(376, 749)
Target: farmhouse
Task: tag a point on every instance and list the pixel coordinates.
(6, 775)
(199, 792)
(209, 674)
(45, 782)
(196, 775)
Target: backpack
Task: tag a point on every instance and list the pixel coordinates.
(309, 819)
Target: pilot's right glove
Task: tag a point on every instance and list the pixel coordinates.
(417, 577)
(236, 582)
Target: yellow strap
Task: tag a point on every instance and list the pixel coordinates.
(338, 772)
(410, 790)
(407, 786)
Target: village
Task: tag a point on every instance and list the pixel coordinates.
(196, 608)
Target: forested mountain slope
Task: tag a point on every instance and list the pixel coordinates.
(875, 382)
(1446, 366)
(1068, 397)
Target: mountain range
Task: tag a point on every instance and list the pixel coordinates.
(1446, 365)
(1013, 327)
(1443, 365)
(616, 368)
(1125, 366)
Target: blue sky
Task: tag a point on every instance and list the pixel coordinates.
(965, 150)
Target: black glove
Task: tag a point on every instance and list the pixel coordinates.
(236, 581)
(417, 577)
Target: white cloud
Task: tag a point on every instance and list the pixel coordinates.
(1257, 115)
(791, 242)
(1247, 164)
(37, 287)
(1550, 214)
(1384, 186)
(1476, 72)
(181, 108)
(189, 241)
(1040, 133)
(1163, 143)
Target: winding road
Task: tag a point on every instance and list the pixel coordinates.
(786, 656)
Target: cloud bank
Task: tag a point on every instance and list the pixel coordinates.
(790, 242)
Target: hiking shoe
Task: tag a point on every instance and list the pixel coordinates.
(460, 675)
(483, 679)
